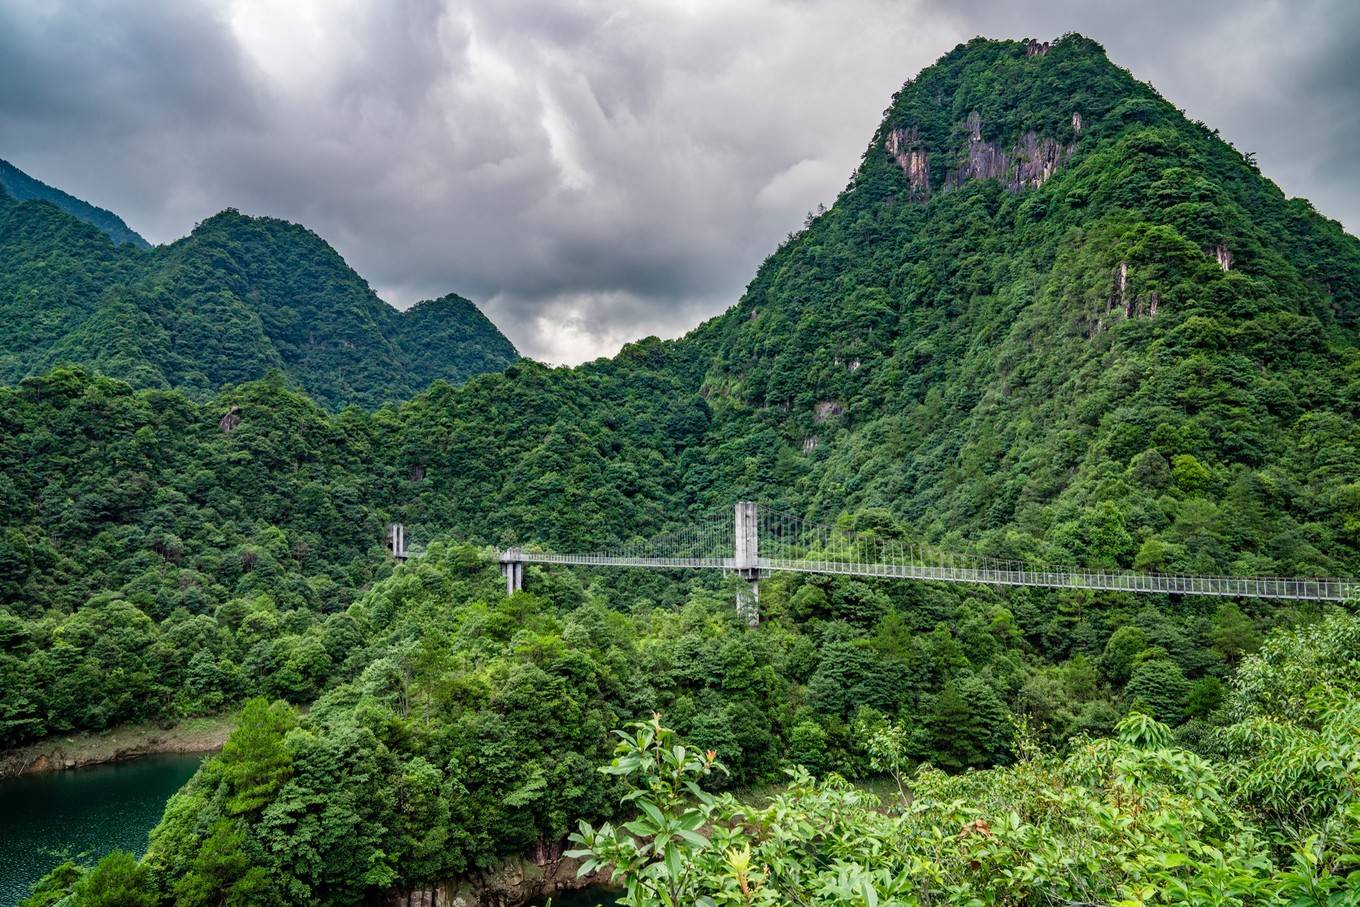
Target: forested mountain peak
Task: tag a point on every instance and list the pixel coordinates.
(22, 187)
(1007, 110)
(237, 297)
(1044, 291)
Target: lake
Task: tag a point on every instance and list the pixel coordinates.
(84, 812)
(87, 812)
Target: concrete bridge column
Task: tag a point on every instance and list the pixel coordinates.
(512, 568)
(396, 540)
(746, 561)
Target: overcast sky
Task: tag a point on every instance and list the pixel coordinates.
(588, 172)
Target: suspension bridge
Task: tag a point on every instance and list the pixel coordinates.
(753, 540)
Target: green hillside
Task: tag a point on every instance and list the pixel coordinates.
(23, 187)
(1049, 318)
(1065, 369)
(235, 299)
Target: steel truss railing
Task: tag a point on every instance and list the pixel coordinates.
(790, 543)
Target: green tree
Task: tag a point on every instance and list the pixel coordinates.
(1158, 687)
(1123, 646)
(115, 881)
(968, 725)
(808, 746)
(223, 873)
(1233, 633)
(256, 759)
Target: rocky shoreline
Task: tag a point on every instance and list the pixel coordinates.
(196, 735)
(545, 872)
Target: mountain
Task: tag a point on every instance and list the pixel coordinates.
(235, 299)
(1049, 318)
(1052, 317)
(21, 186)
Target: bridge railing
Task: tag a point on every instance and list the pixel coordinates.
(783, 542)
(625, 560)
(1318, 589)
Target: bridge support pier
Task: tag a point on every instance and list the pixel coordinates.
(396, 540)
(512, 568)
(746, 561)
(748, 603)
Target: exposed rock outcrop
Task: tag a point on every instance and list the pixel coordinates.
(1223, 255)
(1026, 165)
(544, 873)
(1120, 298)
(1036, 48)
(229, 422)
(1123, 302)
(826, 409)
(905, 147)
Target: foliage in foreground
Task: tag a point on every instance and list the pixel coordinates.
(474, 732)
(1126, 820)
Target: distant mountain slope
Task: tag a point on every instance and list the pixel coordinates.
(1050, 318)
(238, 297)
(23, 187)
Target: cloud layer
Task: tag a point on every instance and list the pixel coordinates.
(588, 172)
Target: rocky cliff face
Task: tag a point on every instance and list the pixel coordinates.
(544, 873)
(1028, 164)
(905, 147)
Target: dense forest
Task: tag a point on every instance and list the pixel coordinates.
(1049, 319)
(236, 299)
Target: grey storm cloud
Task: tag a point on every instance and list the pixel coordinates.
(588, 172)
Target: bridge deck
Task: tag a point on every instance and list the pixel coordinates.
(1163, 583)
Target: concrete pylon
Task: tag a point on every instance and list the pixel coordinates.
(746, 561)
(512, 568)
(396, 540)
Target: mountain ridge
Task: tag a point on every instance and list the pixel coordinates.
(967, 356)
(237, 297)
(22, 187)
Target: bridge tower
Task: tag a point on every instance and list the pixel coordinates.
(746, 561)
(396, 540)
(512, 568)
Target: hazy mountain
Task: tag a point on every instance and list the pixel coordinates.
(23, 187)
(236, 298)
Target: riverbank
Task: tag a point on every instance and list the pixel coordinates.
(193, 735)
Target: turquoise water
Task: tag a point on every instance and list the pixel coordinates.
(83, 813)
